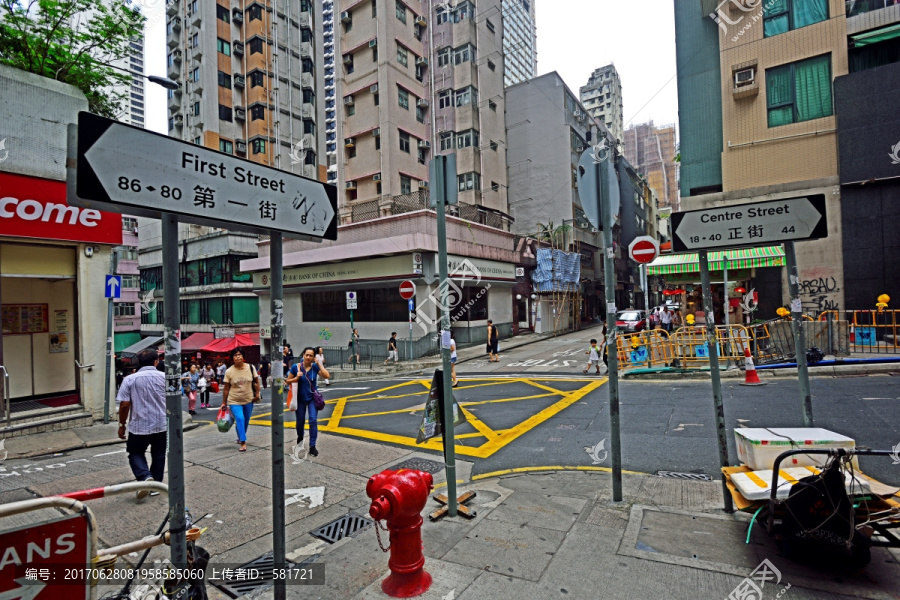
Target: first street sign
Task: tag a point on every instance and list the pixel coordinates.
(758, 223)
(125, 169)
(113, 287)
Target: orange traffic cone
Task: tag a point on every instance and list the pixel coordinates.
(750, 375)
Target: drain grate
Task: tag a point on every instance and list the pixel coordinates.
(263, 566)
(341, 528)
(419, 464)
(693, 476)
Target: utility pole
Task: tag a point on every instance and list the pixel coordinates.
(279, 547)
(113, 265)
(790, 255)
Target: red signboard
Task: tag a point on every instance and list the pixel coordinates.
(46, 561)
(643, 250)
(36, 208)
(407, 290)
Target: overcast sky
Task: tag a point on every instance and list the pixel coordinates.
(574, 38)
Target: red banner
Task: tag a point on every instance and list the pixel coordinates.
(36, 208)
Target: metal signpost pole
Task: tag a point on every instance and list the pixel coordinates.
(790, 256)
(609, 278)
(113, 265)
(279, 547)
(644, 284)
(712, 346)
(171, 315)
(440, 186)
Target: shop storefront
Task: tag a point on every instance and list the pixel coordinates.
(53, 259)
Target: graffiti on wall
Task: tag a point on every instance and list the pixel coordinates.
(820, 290)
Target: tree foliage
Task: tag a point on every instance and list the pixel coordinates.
(72, 41)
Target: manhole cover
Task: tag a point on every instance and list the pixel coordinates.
(261, 567)
(694, 476)
(341, 528)
(420, 464)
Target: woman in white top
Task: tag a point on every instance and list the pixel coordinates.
(320, 360)
(453, 362)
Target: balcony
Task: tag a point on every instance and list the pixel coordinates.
(172, 8)
(420, 200)
(237, 16)
(237, 48)
(176, 24)
(173, 41)
(859, 7)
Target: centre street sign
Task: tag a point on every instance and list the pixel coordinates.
(125, 169)
(754, 224)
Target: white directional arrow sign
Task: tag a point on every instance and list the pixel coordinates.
(27, 590)
(755, 224)
(126, 169)
(314, 496)
(113, 285)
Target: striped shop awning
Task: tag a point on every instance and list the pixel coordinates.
(745, 258)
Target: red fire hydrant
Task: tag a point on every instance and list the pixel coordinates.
(399, 497)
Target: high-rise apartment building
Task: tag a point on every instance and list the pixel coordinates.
(602, 97)
(652, 151)
(519, 41)
(418, 79)
(330, 79)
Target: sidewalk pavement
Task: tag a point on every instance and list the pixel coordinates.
(539, 533)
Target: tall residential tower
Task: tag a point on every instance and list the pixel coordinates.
(602, 97)
(519, 41)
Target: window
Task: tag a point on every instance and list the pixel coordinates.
(443, 57)
(491, 65)
(468, 181)
(492, 105)
(351, 151)
(255, 46)
(309, 126)
(780, 16)
(257, 112)
(351, 109)
(462, 11)
(490, 25)
(196, 110)
(422, 153)
(447, 141)
(473, 305)
(494, 146)
(401, 11)
(402, 55)
(378, 143)
(402, 98)
(170, 60)
(463, 54)
(467, 139)
(467, 95)
(375, 54)
(374, 8)
(130, 281)
(225, 80)
(495, 187)
(799, 91)
(442, 16)
(225, 113)
(222, 13)
(258, 146)
(420, 114)
(307, 65)
(376, 98)
(405, 184)
(257, 79)
(306, 35)
(195, 40)
(129, 223)
(198, 140)
(223, 47)
(309, 96)
(124, 309)
(195, 74)
(254, 13)
(226, 146)
(404, 142)
(381, 305)
(445, 99)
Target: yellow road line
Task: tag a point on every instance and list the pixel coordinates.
(498, 400)
(534, 470)
(478, 424)
(546, 387)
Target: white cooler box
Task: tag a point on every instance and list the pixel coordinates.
(758, 448)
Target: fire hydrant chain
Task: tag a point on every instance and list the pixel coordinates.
(379, 526)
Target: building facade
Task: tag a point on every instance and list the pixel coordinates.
(602, 97)
(519, 41)
(331, 81)
(652, 151)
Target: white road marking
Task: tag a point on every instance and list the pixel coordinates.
(110, 453)
(314, 495)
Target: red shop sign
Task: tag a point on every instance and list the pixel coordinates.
(36, 208)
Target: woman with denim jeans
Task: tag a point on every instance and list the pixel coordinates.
(308, 369)
(189, 381)
(240, 393)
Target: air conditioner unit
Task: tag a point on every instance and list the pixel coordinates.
(239, 80)
(345, 16)
(744, 77)
(422, 102)
(237, 16)
(421, 61)
(240, 145)
(351, 185)
(420, 21)
(376, 132)
(348, 100)
(376, 177)
(240, 113)
(374, 89)
(577, 114)
(373, 43)
(423, 184)
(178, 119)
(424, 144)
(348, 59)
(349, 142)
(176, 56)
(237, 48)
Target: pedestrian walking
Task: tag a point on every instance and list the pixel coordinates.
(142, 412)
(320, 360)
(493, 345)
(288, 360)
(263, 370)
(208, 374)
(220, 372)
(453, 358)
(240, 393)
(354, 346)
(392, 349)
(593, 358)
(677, 320)
(309, 370)
(666, 319)
(189, 381)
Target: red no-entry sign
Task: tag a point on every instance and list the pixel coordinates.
(643, 249)
(407, 290)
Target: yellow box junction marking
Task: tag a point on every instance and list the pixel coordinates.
(494, 439)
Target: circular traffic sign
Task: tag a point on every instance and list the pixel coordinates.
(643, 250)
(407, 290)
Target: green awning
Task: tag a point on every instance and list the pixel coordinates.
(745, 258)
(125, 339)
(875, 36)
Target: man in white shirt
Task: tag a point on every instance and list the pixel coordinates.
(142, 397)
(665, 318)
